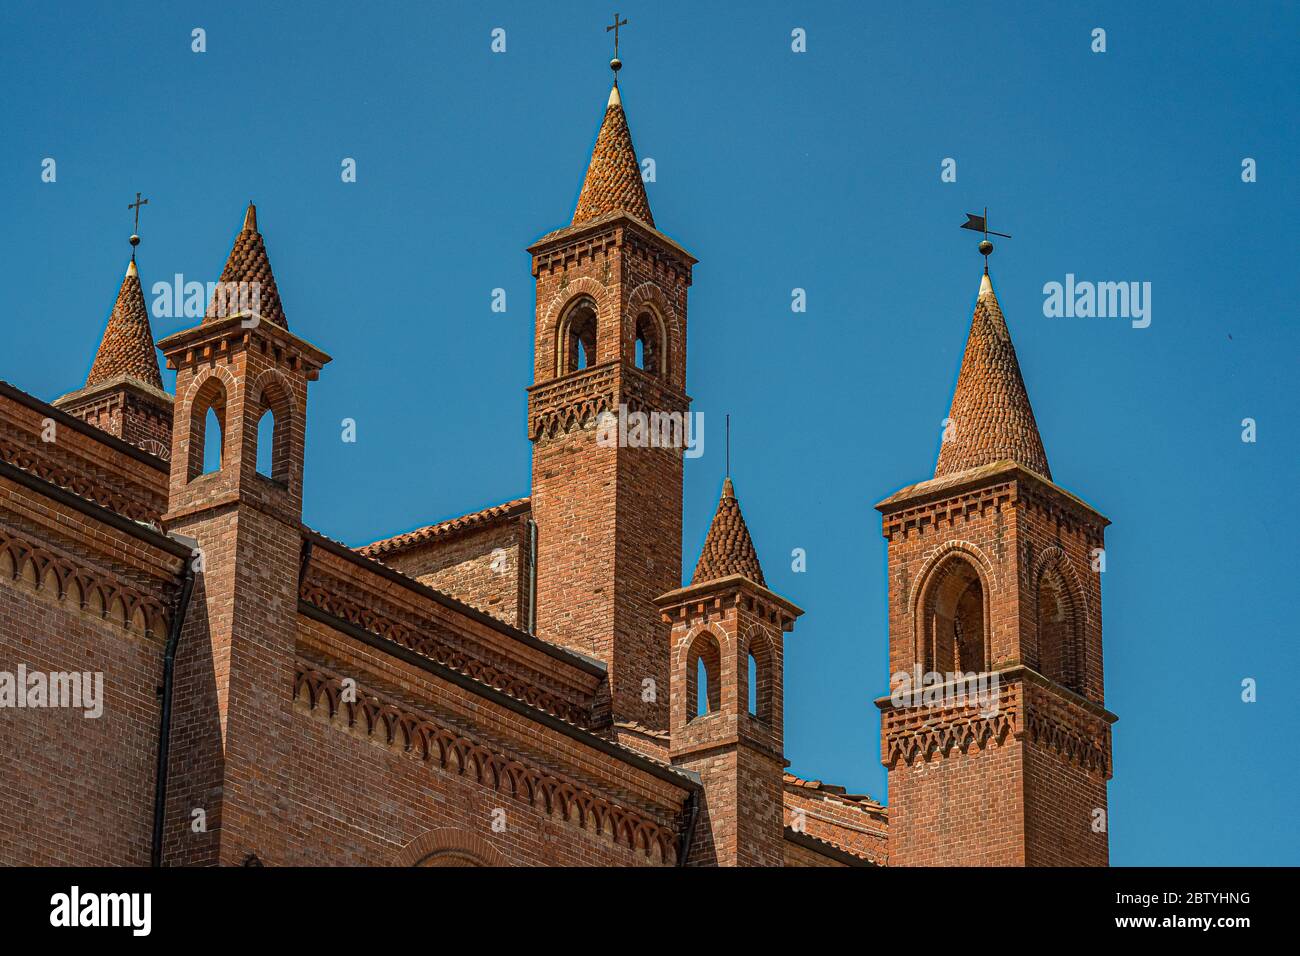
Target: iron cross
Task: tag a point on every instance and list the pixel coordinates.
(136, 206)
(614, 26)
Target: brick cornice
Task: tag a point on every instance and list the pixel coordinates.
(579, 398)
(1030, 709)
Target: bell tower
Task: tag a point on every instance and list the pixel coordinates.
(607, 416)
(727, 652)
(995, 734)
(240, 372)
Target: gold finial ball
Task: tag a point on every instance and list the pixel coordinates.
(135, 240)
(616, 64)
(985, 247)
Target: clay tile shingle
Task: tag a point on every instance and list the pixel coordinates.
(991, 418)
(249, 264)
(127, 347)
(728, 549)
(613, 182)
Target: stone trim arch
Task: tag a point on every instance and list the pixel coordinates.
(453, 846)
(550, 334)
(933, 569)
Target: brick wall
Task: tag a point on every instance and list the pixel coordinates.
(486, 568)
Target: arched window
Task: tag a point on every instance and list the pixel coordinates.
(703, 676)
(762, 676)
(649, 345)
(578, 337)
(212, 439)
(265, 442)
(273, 432)
(1058, 639)
(207, 429)
(954, 638)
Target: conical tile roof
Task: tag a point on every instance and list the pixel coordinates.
(249, 265)
(613, 182)
(127, 347)
(728, 549)
(991, 418)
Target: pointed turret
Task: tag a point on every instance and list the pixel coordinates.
(247, 279)
(613, 182)
(991, 419)
(728, 548)
(127, 348)
(123, 394)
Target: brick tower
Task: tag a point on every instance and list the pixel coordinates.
(235, 661)
(123, 394)
(993, 570)
(610, 340)
(727, 632)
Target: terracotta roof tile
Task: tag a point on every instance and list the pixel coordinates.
(613, 180)
(248, 263)
(991, 417)
(833, 792)
(127, 347)
(443, 529)
(728, 549)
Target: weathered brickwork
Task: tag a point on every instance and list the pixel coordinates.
(485, 562)
(995, 570)
(529, 684)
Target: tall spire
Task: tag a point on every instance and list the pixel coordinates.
(127, 348)
(991, 418)
(248, 274)
(613, 182)
(728, 548)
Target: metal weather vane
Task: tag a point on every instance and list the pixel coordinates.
(980, 223)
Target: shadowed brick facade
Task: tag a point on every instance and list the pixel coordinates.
(529, 684)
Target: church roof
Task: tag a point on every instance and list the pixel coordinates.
(127, 348)
(248, 263)
(445, 529)
(613, 180)
(728, 549)
(991, 418)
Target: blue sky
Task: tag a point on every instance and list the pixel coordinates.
(777, 170)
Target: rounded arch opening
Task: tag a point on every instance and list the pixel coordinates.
(1059, 644)
(207, 429)
(273, 431)
(650, 343)
(703, 676)
(955, 634)
(761, 676)
(577, 336)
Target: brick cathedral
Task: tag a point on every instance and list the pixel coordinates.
(531, 684)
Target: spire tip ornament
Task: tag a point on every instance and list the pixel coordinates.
(981, 224)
